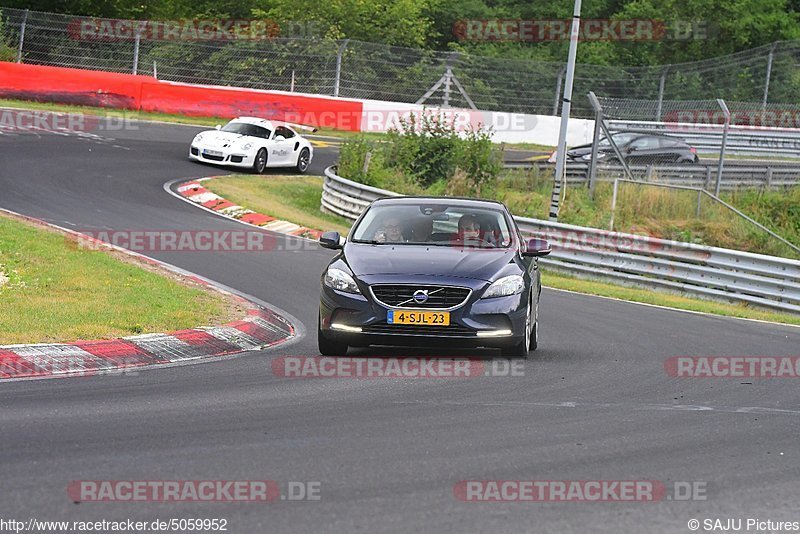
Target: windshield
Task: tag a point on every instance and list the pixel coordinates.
(619, 138)
(434, 224)
(244, 128)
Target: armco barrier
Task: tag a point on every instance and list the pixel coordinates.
(142, 93)
(708, 272)
(735, 175)
(347, 198)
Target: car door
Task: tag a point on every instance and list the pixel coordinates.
(643, 150)
(281, 149)
(673, 150)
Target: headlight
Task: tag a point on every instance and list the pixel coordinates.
(508, 285)
(198, 138)
(246, 146)
(340, 280)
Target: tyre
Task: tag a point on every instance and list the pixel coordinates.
(260, 161)
(303, 161)
(328, 347)
(531, 340)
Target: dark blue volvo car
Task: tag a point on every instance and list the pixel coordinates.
(426, 271)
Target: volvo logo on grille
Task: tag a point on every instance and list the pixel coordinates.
(420, 296)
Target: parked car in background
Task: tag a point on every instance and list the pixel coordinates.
(637, 148)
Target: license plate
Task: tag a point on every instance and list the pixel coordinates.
(212, 152)
(424, 318)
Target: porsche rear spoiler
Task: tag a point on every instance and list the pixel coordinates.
(303, 127)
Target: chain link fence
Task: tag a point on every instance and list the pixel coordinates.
(757, 135)
(373, 71)
(752, 114)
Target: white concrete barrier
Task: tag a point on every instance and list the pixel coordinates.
(379, 116)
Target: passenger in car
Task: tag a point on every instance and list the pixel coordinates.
(469, 229)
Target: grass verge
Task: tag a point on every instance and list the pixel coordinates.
(291, 198)
(52, 291)
(665, 213)
(297, 200)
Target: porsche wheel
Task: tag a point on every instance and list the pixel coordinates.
(260, 161)
(303, 161)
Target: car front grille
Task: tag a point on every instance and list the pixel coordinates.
(454, 330)
(195, 151)
(402, 296)
(213, 158)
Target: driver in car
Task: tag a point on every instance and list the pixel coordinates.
(390, 232)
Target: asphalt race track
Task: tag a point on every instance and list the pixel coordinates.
(595, 402)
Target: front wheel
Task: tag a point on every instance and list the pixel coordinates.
(260, 161)
(303, 161)
(531, 340)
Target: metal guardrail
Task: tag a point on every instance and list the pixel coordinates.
(347, 198)
(707, 139)
(734, 176)
(707, 272)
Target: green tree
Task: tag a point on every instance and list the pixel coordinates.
(392, 22)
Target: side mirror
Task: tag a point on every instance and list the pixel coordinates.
(218, 126)
(330, 240)
(537, 248)
(280, 138)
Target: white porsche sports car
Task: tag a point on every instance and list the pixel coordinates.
(254, 143)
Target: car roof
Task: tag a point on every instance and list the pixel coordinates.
(261, 122)
(451, 201)
(647, 134)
